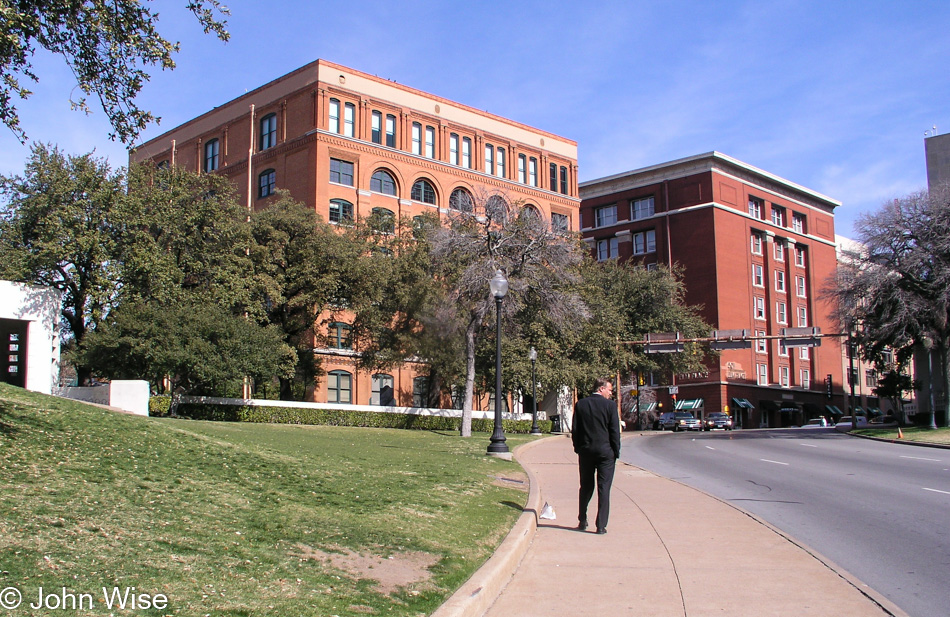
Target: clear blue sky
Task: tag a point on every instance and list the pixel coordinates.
(835, 96)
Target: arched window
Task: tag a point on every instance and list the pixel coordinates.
(529, 210)
(267, 183)
(339, 387)
(211, 155)
(383, 220)
(340, 210)
(268, 131)
(383, 393)
(340, 336)
(496, 208)
(383, 182)
(461, 200)
(422, 191)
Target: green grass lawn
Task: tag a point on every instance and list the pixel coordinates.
(243, 519)
(910, 433)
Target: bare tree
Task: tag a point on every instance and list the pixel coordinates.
(485, 233)
(895, 290)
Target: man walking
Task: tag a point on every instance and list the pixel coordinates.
(595, 432)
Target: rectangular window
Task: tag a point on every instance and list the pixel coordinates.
(783, 376)
(341, 172)
(798, 222)
(377, 128)
(853, 376)
(761, 345)
(454, 149)
(553, 169)
(533, 172)
(642, 208)
(605, 215)
(563, 180)
(800, 256)
(806, 378)
(780, 281)
(559, 222)
(870, 379)
(489, 158)
(778, 215)
(782, 349)
(758, 279)
(501, 168)
(802, 317)
(466, 153)
(522, 168)
(644, 242)
(430, 142)
(390, 131)
(756, 240)
(756, 207)
(334, 116)
(800, 286)
(779, 251)
(211, 155)
(781, 312)
(416, 138)
(762, 374)
(803, 353)
(606, 249)
(349, 119)
(758, 308)
(340, 211)
(382, 390)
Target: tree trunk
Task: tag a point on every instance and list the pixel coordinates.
(286, 389)
(469, 378)
(944, 419)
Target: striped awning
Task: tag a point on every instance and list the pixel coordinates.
(743, 403)
(833, 409)
(689, 403)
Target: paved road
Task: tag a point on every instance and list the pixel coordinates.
(879, 510)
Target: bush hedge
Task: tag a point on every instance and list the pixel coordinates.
(159, 406)
(343, 417)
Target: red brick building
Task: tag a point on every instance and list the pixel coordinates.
(756, 251)
(348, 144)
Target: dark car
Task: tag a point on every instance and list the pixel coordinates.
(717, 419)
(681, 421)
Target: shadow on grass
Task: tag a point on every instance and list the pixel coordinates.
(516, 506)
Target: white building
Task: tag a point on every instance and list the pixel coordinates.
(29, 331)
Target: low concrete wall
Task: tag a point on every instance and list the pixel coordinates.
(127, 395)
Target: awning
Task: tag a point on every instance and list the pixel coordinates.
(689, 403)
(644, 407)
(768, 405)
(833, 410)
(742, 403)
(788, 407)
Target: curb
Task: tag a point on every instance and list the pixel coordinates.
(480, 591)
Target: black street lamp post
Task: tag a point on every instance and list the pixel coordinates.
(533, 355)
(499, 289)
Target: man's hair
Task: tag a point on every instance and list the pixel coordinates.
(600, 382)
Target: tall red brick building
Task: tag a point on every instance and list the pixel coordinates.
(755, 251)
(350, 144)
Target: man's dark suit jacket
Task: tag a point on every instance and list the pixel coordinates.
(596, 427)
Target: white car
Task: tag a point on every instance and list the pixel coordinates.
(820, 421)
(844, 424)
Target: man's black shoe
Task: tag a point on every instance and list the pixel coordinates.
(601, 530)
(582, 526)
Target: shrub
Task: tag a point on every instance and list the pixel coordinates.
(158, 406)
(344, 417)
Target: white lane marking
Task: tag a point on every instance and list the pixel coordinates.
(809, 445)
(917, 458)
(933, 490)
(765, 460)
(710, 448)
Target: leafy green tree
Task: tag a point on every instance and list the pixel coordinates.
(108, 45)
(57, 231)
(304, 274)
(894, 291)
(202, 349)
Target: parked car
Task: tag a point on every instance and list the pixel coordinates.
(820, 421)
(664, 418)
(879, 421)
(682, 421)
(718, 419)
(844, 424)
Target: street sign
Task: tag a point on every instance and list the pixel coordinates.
(674, 389)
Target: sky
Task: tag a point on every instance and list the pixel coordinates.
(832, 95)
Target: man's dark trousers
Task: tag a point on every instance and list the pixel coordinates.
(603, 467)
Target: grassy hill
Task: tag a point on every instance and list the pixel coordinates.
(241, 519)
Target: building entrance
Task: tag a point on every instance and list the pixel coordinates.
(13, 354)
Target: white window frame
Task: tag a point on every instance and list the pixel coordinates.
(756, 243)
(800, 287)
(600, 218)
(803, 353)
(489, 159)
(430, 142)
(349, 119)
(755, 207)
(467, 152)
(454, 149)
(762, 374)
(501, 169)
(758, 276)
(802, 317)
(644, 242)
(607, 249)
(334, 124)
(800, 257)
(779, 251)
(416, 139)
(758, 308)
(782, 349)
(642, 207)
(778, 215)
(781, 313)
(798, 222)
(522, 168)
(805, 376)
(780, 281)
(533, 171)
(783, 376)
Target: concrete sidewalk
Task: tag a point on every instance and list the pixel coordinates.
(670, 551)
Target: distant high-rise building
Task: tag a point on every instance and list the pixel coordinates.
(937, 149)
